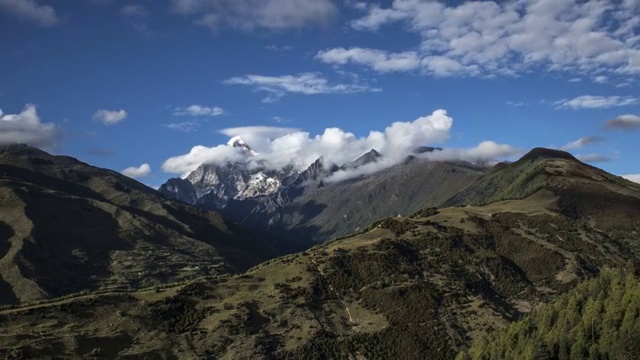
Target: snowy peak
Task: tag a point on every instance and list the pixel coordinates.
(237, 141)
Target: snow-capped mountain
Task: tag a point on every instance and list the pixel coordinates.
(237, 141)
(213, 185)
(301, 206)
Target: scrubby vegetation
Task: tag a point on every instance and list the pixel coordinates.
(599, 319)
(424, 286)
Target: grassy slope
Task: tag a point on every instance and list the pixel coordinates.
(418, 287)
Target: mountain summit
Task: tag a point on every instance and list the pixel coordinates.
(237, 142)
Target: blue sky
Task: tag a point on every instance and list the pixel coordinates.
(122, 83)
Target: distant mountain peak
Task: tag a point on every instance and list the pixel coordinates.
(238, 142)
(544, 153)
(366, 158)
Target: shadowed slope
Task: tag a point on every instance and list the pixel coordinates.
(71, 227)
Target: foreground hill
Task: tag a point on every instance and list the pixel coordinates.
(418, 287)
(67, 227)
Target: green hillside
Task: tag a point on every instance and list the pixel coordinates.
(599, 319)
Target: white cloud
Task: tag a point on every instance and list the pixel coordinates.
(29, 10)
(580, 143)
(305, 83)
(486, 150)
(596, 102)
(27, 128)
(624, 122)
(632, 177)
(185, 126)
(378, 60)
(278, 147)
(143, 170)
(490, 38)
(601, 79)
(259, 137)
(198, 155)
(198, 110)
(250, 15)
(110, 117)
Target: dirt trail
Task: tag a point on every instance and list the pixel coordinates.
(346, 308)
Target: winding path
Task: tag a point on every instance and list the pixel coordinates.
(346, 308)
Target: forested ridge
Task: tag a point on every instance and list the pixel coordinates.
(599, 319)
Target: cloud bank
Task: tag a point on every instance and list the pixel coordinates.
(278, 147)
(27, 128)
(503, 38)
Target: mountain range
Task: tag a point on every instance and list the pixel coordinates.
(425, 282)
(306, 205)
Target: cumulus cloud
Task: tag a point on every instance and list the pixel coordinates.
(278, 147)
(489, 38)
(110, 117)
(305, 83)
(31, 11)
(596, 102)
(378, 60)
(624, 122)
(198, 155)
(250, 15)
(632, 177)
(581, 142)
(141, 171)
(198, 110)
(26, 127)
